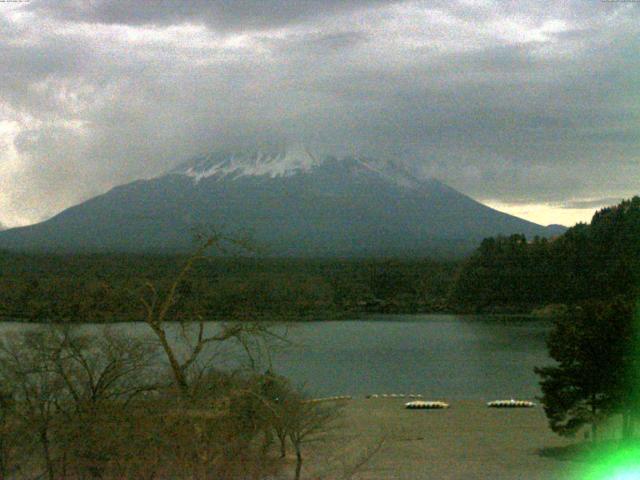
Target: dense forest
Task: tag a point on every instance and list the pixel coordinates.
(595, 261)
(103, 288)
(504, 275)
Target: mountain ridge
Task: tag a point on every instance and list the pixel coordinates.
(293, 203)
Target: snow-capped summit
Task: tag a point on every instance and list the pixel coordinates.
(233, 165)
(292, 202)
(385, 169)
(293, 160)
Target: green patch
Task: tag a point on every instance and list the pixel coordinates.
(614, 461)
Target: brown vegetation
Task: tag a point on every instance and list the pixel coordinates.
(97, 406)
(102, 406)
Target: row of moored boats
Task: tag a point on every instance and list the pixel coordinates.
(420, 404)
(429, 404)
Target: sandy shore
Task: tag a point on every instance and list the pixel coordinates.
(466, 441)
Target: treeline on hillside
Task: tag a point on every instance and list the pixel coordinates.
(105, 288)
(597, 261)
(505, 274)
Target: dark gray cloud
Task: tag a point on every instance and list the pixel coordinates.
(505, 101)
(223, 15)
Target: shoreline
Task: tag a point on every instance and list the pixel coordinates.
(362, 317)
(468, 440)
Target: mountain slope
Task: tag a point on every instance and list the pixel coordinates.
(291, 202)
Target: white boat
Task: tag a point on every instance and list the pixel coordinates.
(510, 404)
(421, 404)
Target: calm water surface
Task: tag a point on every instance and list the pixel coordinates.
(436, 355)
(440, 356)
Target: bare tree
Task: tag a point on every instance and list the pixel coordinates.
(70, 388)
(7, 406)
(101, 373)
(25, 365)
(358, 462)
(307, 421)
(103, 367)
(159, 309)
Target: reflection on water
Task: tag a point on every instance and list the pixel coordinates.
(440, 356)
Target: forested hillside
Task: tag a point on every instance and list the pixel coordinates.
(595, 261)
(105, 288)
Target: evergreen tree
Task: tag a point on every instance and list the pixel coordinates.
(599, 261)
(595, 347)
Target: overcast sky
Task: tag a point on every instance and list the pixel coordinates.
(532, 107)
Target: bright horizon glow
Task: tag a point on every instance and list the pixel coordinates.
(544, 213)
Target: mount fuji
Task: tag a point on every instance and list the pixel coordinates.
(290, 202)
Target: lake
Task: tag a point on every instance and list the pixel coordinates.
(440, 356)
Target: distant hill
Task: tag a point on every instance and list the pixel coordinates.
(292, 202)
(554, 230)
